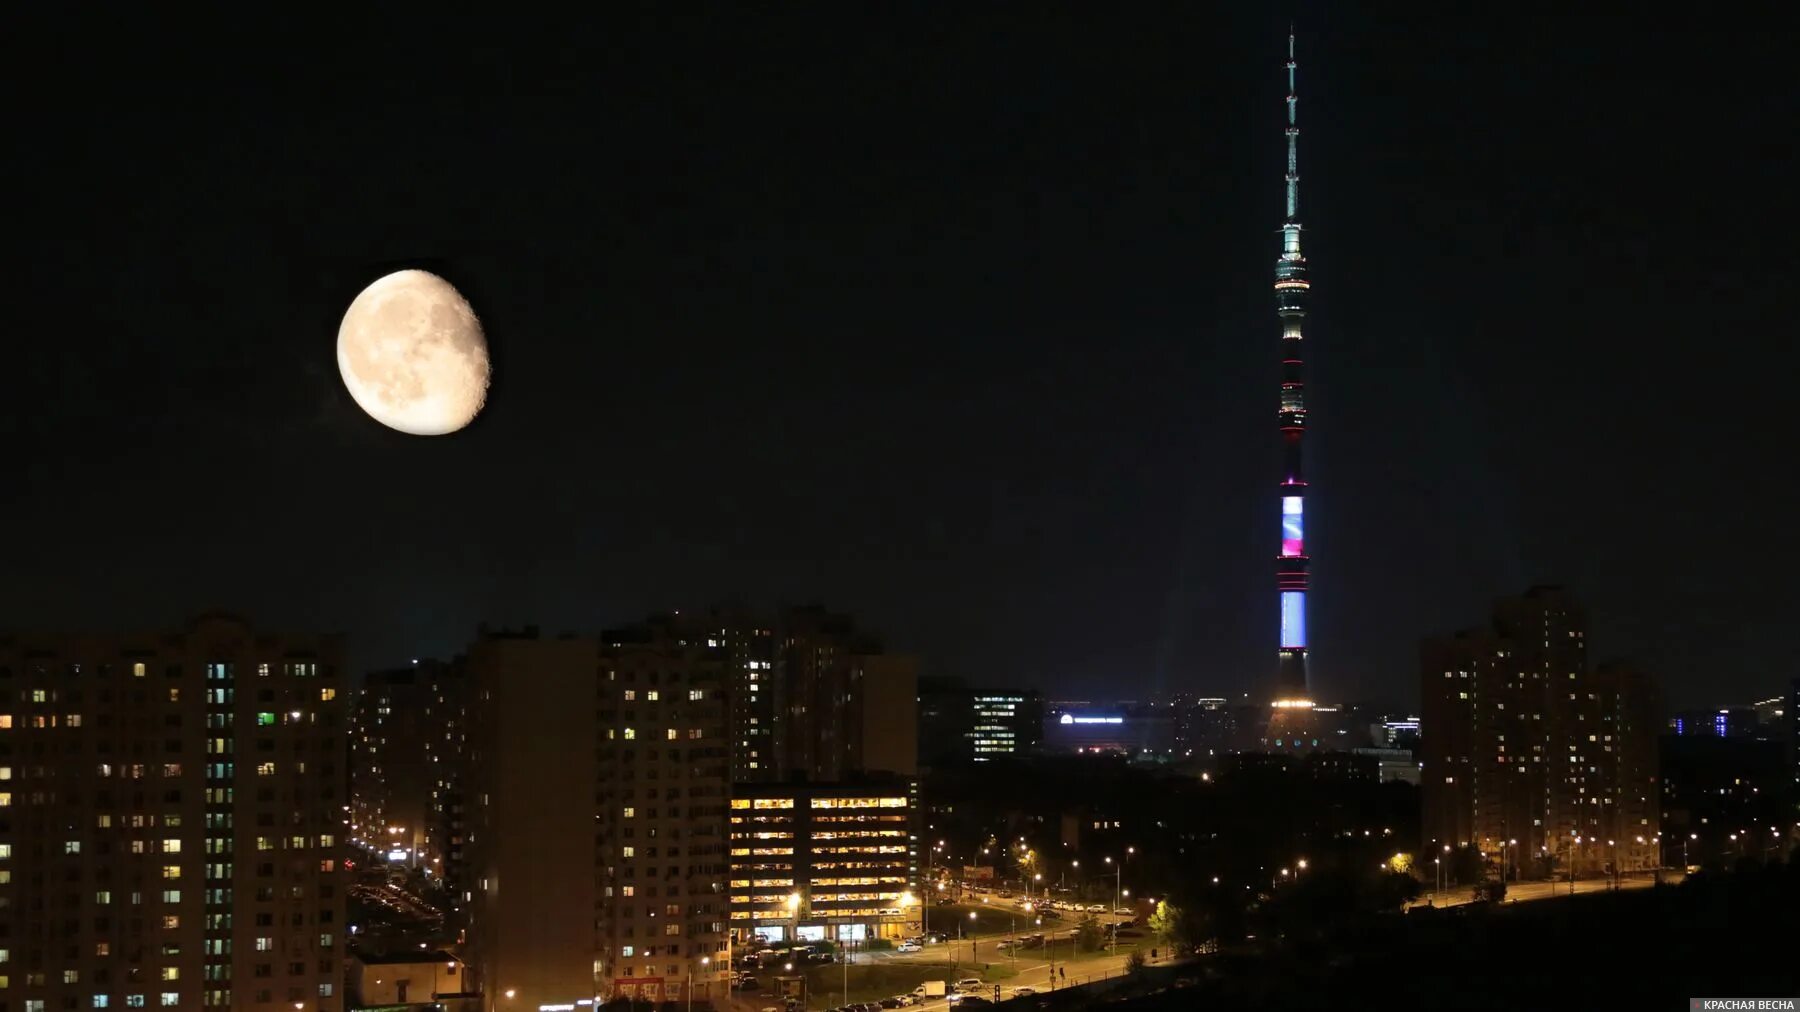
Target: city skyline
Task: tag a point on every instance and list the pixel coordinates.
(750, 344)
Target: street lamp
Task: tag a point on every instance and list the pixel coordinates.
(704, 962)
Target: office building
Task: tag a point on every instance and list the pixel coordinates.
(1523, 745)
(818, 861)
(1124, 728)
(172, 819)
(958, 724)
(1724, 722)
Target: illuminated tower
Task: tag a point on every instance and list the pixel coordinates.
(1290, 303)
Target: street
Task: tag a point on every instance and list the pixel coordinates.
(1526, 892)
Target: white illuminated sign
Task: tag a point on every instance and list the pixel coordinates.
(1069, 718)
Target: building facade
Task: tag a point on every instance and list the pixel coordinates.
(598, 774)
(959, 724)
(842, 704)
(665, 768)
(390, 770)
(1125, 728)
(532, 846)
(1523, 745)
(171, 820)
(825, 861)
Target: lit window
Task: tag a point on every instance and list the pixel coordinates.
(630, 734)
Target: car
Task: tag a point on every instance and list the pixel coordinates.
(909, 947)
(944, 902)
(745, 982)
(1023, 992)
(969, 984)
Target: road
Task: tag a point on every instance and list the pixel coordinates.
(1526, 892)
(951, 961)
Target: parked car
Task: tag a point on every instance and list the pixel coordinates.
(909, 947)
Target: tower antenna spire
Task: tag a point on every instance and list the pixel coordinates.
(1293, 138)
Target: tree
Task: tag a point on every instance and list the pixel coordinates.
(1166, 924)
(1491, 890)
(1088, 936)
(1390, 891)
(1465, 864)
(1134, 962)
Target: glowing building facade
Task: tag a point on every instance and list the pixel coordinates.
(813, 862)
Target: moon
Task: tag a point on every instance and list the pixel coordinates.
(413, 355)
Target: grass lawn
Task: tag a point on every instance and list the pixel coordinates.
(988, 920)
(874, 981)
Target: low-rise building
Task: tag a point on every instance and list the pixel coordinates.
(403, 978)
(832, 861)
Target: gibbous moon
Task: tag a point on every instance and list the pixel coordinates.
(413, 355)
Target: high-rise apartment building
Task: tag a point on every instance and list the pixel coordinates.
(446, 752)
(390, 772)
(665, 767)
(171, 820)
(597, 780)
(825, 861)
(533, 794)
(1524, 746)
(842, 704)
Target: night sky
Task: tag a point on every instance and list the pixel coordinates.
(959, 322)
